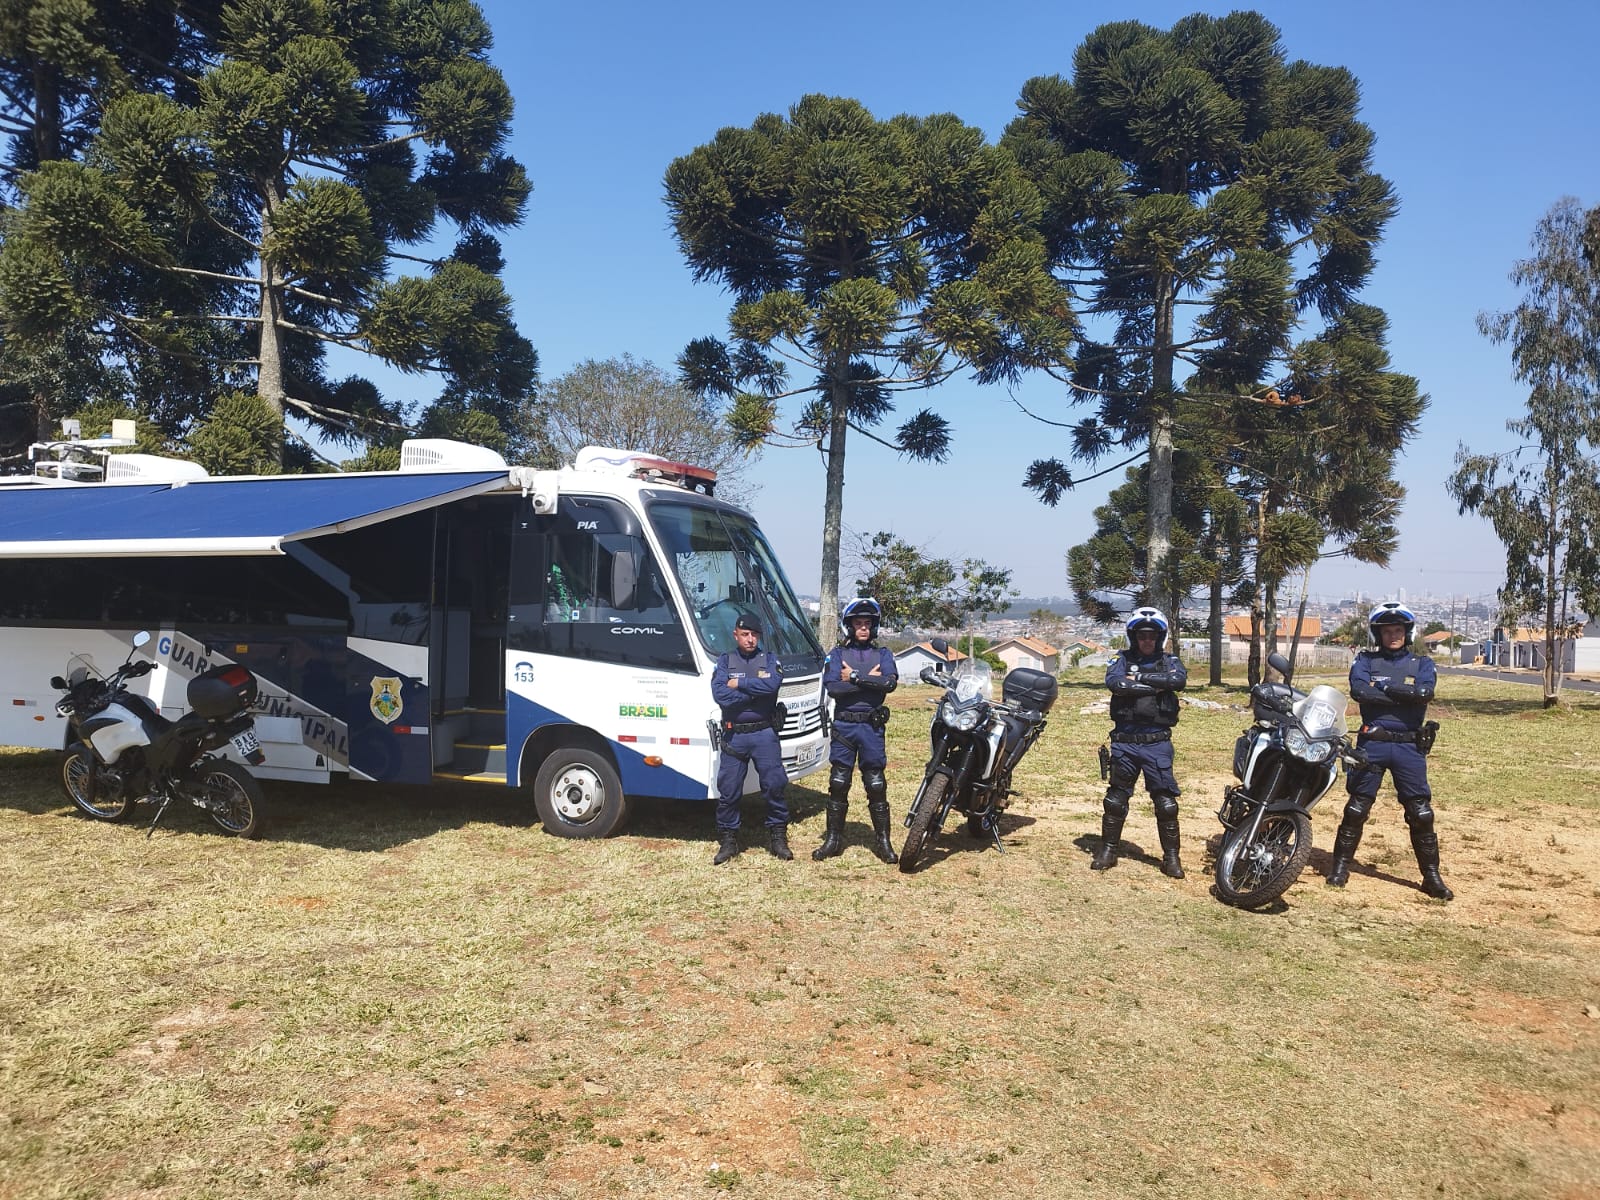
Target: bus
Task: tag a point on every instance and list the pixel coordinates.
(457, 619)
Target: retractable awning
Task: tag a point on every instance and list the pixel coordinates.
(215, 516)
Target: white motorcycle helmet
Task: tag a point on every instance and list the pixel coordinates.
(1147, 618)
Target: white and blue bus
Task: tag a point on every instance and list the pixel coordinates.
(455, 620)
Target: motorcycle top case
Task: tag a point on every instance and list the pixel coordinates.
(221, 692)
(1026, 688)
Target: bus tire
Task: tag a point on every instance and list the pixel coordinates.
(579, 794)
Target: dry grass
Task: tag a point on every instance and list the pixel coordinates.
(417, 994)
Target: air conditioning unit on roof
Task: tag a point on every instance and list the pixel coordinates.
(151, 468)
(443, 454)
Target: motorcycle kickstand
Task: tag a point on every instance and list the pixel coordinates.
(166, 799)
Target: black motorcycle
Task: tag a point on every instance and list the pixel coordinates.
(1285, 762)
(124, 752)
(977, 743)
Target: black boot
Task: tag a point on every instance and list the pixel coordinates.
(1110, 834)
(1167, 828)
(727, 847)
(1345, 843)
(879, 809)
(1426, 847)
(778, 843)
(833, 838)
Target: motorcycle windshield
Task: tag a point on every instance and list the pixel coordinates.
(79, 668)
(972, 680)
(1321, 712)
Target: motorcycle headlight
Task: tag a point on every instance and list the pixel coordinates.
(1299, 745)
(962, 720)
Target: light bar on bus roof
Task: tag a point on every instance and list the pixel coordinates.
(645, 466)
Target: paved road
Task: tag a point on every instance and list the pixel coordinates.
(1533, 677)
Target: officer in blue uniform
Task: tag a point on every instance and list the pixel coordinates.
(1393, 686)
(858, 675)
(745, 684)
(1144, 683)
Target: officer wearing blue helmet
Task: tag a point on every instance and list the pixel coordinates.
(1393, 686)
(858, 675)
(745, 684)
(1144, 682)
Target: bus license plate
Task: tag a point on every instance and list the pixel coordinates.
(246, 742)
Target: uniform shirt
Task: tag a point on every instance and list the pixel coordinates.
(863, 691)
(756, 697)
(1393, 688)
(1144, 690)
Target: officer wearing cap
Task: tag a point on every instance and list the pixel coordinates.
(858, 675)
(745, 684)
(1393, 685)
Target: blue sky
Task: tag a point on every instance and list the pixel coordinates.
(1485, 115)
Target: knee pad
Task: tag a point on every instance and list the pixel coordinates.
(1419, 812)
(875, 783)
(1116, 803)
(838, 778)
(1357, 808)
(1123, 776)
(1166, 806)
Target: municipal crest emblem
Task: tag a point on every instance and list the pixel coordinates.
(386, 703)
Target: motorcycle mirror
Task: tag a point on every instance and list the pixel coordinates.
(140, 638)
(1280, 664)
(58, 683)
(929, 675)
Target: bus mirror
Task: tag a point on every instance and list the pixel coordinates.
(624, 578)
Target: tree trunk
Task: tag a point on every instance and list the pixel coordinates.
(1216, 630)
(269, 374)
(1159, 582)
(47, 114)
(1252, 672)
(833, 496)
(1299, 623)
(1551, 641)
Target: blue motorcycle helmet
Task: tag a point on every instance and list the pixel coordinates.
(1147, 618)
(861, 606)
(1391, 612)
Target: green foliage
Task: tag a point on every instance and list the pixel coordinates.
(1352, 631)
(242, 436)
(927, 593)
(881, 256)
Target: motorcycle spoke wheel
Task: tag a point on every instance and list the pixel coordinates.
(1254, 872)
(232, 798)
(111, 801)
(927, 807)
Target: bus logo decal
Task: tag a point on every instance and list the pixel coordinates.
(655, 712)
(386, 702)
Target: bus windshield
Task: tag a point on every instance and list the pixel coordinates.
(726, 567)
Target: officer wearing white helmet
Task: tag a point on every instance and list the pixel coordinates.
(1393, 685)
(858, 675)
(1144, 681)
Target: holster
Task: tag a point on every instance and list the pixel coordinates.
(880, 717)
(1105, 761)
(780, 714)
(1425, 736)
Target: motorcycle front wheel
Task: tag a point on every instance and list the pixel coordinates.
(110, 802)
(1254, 871)
(927, 808)
(232, 796)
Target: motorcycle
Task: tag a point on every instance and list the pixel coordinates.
(123, 752)
(977, 744)
(1285, 762)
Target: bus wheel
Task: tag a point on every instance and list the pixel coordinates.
(578, 794)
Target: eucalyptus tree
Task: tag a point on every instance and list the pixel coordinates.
(873, 257)
(1543, 495)
(1193, 171)
(227, 232)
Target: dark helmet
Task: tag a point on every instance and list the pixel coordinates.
(1147, 618)
(1391, 612)
(862, 606)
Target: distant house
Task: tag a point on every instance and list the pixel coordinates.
(910, 661)
(1434, 641)
(1027, 652)
(1236, 636)
(1525, 648)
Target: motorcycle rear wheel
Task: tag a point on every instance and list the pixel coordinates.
(1254, 873)
(110, 803)
(927, 807)
(232, 798)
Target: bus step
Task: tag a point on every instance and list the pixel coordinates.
(474, 758)
(479, 777)
(479, 724)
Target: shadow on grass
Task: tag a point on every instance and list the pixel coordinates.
(954, 840)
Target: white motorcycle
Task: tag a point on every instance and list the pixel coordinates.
(1285, 762)
(124, 752)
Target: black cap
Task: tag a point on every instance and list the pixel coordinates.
(749, 621)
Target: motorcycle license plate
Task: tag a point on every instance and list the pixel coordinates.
(246, 742)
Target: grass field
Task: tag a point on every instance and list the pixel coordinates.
(417, 993)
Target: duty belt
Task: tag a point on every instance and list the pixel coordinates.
(746, 726)
(1142, 739)
(1377, 734)
(852, 716)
